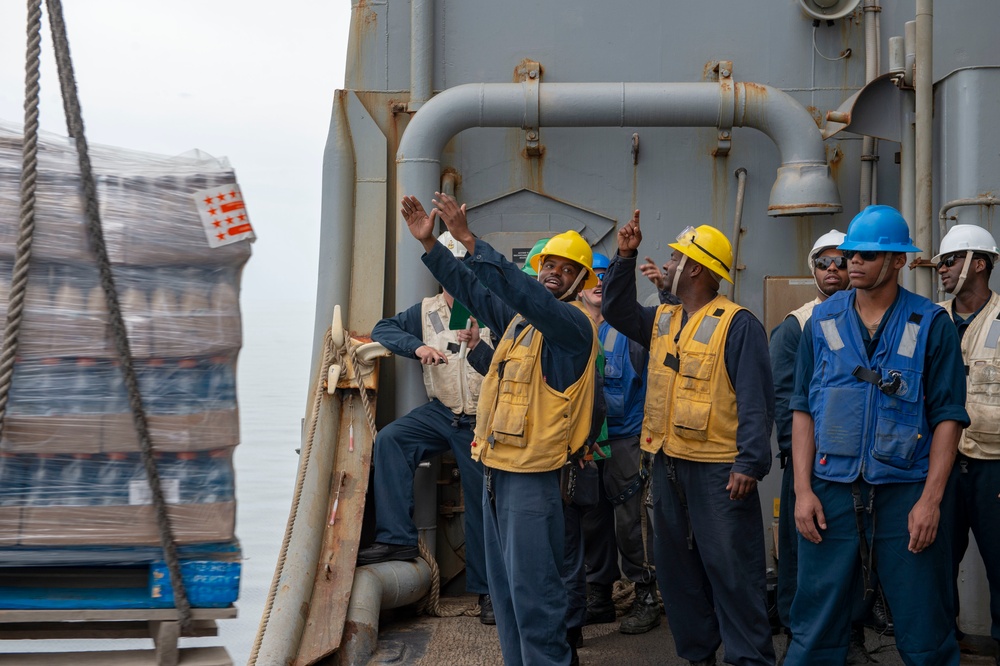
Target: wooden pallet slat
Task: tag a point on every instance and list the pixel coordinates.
(198, 656)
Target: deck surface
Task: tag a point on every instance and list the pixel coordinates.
(429, 641)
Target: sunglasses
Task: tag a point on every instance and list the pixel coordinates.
(950, 260)
(600, 275)
(823, 263)
(866, 255)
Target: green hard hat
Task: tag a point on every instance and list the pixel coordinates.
(534, 250)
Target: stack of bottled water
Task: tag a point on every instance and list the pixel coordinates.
(69, 456)
(114, 479)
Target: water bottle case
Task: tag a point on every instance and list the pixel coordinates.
(105, 499)
(70, 472)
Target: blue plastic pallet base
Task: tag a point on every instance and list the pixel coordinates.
(23, 556)
(209, 584)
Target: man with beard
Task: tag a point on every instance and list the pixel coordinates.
(535, 410)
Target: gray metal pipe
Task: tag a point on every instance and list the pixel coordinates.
(378, 586)
(868, 154)
(741, 190)
(421, 52)
(283, 622)
(943, 221)
(924, 84)
(908, 176)
(336, 229)
(804, 184)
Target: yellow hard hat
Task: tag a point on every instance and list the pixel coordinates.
(570, 245)
(709, 247)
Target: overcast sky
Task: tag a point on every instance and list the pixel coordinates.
(250, 80)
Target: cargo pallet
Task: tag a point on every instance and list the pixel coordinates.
(160, 624)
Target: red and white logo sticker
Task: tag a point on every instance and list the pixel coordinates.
(223, 214)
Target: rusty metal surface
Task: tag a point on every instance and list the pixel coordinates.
(335, 570)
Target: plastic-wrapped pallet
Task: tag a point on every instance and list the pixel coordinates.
(178, 235)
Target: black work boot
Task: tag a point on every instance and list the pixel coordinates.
(880, 617)
(645, 611)
(486, 615)
(600, 606)
(857, 653)
(386, 552)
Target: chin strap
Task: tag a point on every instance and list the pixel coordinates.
(677, 273)
(885, 270)
(570, 293)
(965, 272)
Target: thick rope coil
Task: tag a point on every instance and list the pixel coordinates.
(95, 234)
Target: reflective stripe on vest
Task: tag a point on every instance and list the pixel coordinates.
(690, 409)
(869, 414)
(624, 387)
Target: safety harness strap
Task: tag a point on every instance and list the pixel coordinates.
(637, 483)
(682, 497)
(865, 549)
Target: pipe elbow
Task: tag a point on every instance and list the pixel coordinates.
(455, 109)
(804, 184)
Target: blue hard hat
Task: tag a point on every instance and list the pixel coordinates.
(879, 229)
(600, 262)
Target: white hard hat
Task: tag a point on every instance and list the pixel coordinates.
(453, 245)
(830, 239)
(965, 238)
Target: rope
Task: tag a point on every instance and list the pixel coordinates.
(29, 176)
(431, 604)
(95, 234)
(307, 446)
(356, 370)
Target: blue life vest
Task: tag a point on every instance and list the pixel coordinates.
(624, 388)
(869, 414)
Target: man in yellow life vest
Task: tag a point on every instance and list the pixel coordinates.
(535, 410)
(708, 415)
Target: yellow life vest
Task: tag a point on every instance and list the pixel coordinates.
(455, 383)
(690, 402)
(524, 424)
(981, 351)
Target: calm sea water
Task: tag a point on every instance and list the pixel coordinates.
(273, 375)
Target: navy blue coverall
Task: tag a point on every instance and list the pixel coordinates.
(917, 586)
(523, 512)
(424, 432)
(714, 586)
